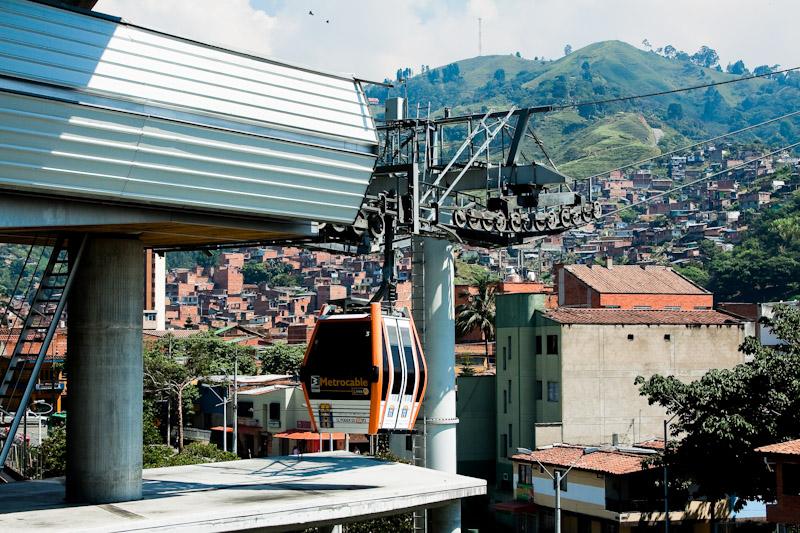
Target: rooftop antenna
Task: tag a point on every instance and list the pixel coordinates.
(480, 36)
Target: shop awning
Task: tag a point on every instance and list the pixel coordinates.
(220, 428)
(308, 435)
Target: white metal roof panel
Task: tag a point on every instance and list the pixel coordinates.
(96, 108)
(74, 150)
(75, 50)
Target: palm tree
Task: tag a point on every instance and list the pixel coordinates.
(478, 313)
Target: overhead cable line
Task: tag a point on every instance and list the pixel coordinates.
(690, 146)
(704, 178)
(667, 92)
(560, 107)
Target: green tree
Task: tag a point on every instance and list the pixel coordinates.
(695, 273)
(479, 311)
(54, 452)
(722, 417)
(172, 366)
(282, 358)
(500, 75)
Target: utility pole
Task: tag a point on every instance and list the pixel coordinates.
(225, 420)
(480, 36)
(558, 501)
(235, 406)
(666, 481)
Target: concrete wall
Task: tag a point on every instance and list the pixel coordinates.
(476, 410)
(516, 377)
(600, 364)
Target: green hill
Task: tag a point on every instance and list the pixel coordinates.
(594, 138)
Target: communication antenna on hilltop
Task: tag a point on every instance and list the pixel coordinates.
(480, 37)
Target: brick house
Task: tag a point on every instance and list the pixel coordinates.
(786, 456)
(628, 287)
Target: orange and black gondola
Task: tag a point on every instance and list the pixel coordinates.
(364, 372)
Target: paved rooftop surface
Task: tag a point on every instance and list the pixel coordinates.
(269, 494)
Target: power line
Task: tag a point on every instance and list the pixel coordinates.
(704, 178)
(690, 146)
(561, 107)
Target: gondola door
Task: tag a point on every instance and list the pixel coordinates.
(396, 374)
(411, 372)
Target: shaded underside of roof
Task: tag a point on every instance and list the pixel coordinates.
(576, 315)
(635, 279)
(607, 462)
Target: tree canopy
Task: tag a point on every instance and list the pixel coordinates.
(172, 365)
(282, 358)
(479, 311)
(721, 418)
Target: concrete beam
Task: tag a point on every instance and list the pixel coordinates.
(23, 215)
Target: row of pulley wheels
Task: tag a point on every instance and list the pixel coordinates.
(527, 222)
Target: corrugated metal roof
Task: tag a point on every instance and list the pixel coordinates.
(581, 315)
(634, 279)
(115, 112)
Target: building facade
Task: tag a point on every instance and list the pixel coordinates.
(566, 375)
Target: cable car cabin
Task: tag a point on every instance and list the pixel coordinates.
(364, 373)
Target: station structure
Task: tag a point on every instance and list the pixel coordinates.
(116, 138)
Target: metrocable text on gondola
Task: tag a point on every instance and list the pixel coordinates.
(320, 383)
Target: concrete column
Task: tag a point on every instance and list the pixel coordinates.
(104, 363)
(436, 314)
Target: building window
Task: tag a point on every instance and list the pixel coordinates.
(505, 402)
(539, 390)
(504, 444)
(630, 336)
(509, 347)
(702, 307)
(552, 344)
(509, 391)
(642, 307)
(275, 411)
(510, 436)
(667, 337)
(552, 391)
(244, 409)
(525, 474)
(538, 345)
(672, 308)
(791, 479)
(504, 359)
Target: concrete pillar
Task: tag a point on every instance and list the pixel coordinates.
(436, 316)
(104, 424)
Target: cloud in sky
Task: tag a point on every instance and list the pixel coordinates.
(372, 38)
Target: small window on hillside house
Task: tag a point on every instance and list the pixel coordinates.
(552, 344)
(538, 344)
(630, 336)
(667, 337)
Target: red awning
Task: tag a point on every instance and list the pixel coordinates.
(220, 428)
(307, 435)
(515, 507)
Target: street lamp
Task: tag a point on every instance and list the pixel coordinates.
(224, 403)
(38, 415)
(557, 478)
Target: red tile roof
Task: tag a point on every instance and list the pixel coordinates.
(606, 461)
(791, 447)
(655, 444)
(583, 315)
(635, 279)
